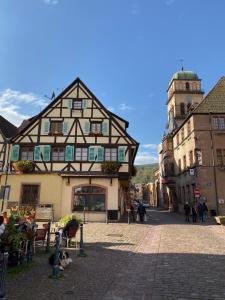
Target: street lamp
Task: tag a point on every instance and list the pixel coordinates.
(6, 173)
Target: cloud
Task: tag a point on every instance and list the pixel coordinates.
(111, 108)
(144, 158)
(12, 104)
(51, 2)
(150, 146)
(124, 107)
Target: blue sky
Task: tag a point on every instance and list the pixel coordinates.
(125, 51)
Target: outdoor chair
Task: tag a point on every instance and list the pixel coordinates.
(71, 234)
(40, 237)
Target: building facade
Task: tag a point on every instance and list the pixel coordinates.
(192, 164)
(80, 158)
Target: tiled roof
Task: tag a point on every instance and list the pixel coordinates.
(7, 128)
(214, 102)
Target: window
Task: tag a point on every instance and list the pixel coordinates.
(182, 109)
(90, 198)
(30, 194)
(179, 164)
(111, 154)
(184, 162)
(4, 192)
(27, 153)
(178, 139)
(220, 153)
(191, 158)
(198, 156)
(96, 128)
(58, 154)
(187, 86)
(81, 154)
(56, 127)
(189, 106)
(182, 134)
(188, 127)
(218, 123)
(77, 104)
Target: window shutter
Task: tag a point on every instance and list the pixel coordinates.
(69, 153)
(121, 154)
(84, 103)
(87, 128)
(46, 127)
(69, 103)
(100, 153)
(46, 152)
(15, 152)
(105, 129)
(37, 153)
(91, 153)
(65, 127)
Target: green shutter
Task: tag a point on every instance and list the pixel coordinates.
(121, 154)
(91, 153)
(46, 127)
(65, 127)
(69, 153)
(87, 128)
(84, 103)
(46, 152)
(100, 153)
(69, 103)
(15, 152)
(105, 128)
(37, 153)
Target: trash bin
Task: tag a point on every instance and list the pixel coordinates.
(212, 212)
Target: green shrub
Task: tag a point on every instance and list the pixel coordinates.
(25, 166)
(110, 167)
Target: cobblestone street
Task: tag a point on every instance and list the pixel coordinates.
(163, 259)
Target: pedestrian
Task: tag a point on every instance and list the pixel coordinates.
(200, 212)
(141, 211)
(194, 213)
(132, 212)
(205, 211)
(187, 211)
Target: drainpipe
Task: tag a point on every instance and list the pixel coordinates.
(213, 164)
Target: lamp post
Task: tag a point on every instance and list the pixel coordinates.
(6, 173)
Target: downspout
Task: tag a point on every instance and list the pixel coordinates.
(213, 163)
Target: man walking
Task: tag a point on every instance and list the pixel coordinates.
(187, 211)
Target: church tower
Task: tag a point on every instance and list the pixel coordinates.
(183, 95)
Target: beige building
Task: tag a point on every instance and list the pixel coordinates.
(192, 156)
(79, 155)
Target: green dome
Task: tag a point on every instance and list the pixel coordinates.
(185, 75)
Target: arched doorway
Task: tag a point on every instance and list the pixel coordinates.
(89, 198)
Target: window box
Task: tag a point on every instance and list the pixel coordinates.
(25, 166)
(110, 167)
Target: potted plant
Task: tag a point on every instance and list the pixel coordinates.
(25, 166)
(110, 167)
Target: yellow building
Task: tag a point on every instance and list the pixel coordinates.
(80, 158)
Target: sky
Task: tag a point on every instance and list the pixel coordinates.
(125, 51)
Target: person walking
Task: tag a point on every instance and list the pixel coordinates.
(200, 209)
(187, 211)
(141, 211)
(132, 212)
(194, 213)
(205, 211)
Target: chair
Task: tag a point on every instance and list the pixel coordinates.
(40, 237)
(71, 233)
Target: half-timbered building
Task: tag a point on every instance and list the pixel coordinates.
(79, 155)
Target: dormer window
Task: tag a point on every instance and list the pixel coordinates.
(96, 128)
(56, 127)
(77, 104)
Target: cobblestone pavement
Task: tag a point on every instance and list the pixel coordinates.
(164, 258)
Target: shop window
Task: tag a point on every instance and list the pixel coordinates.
(89, 198)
